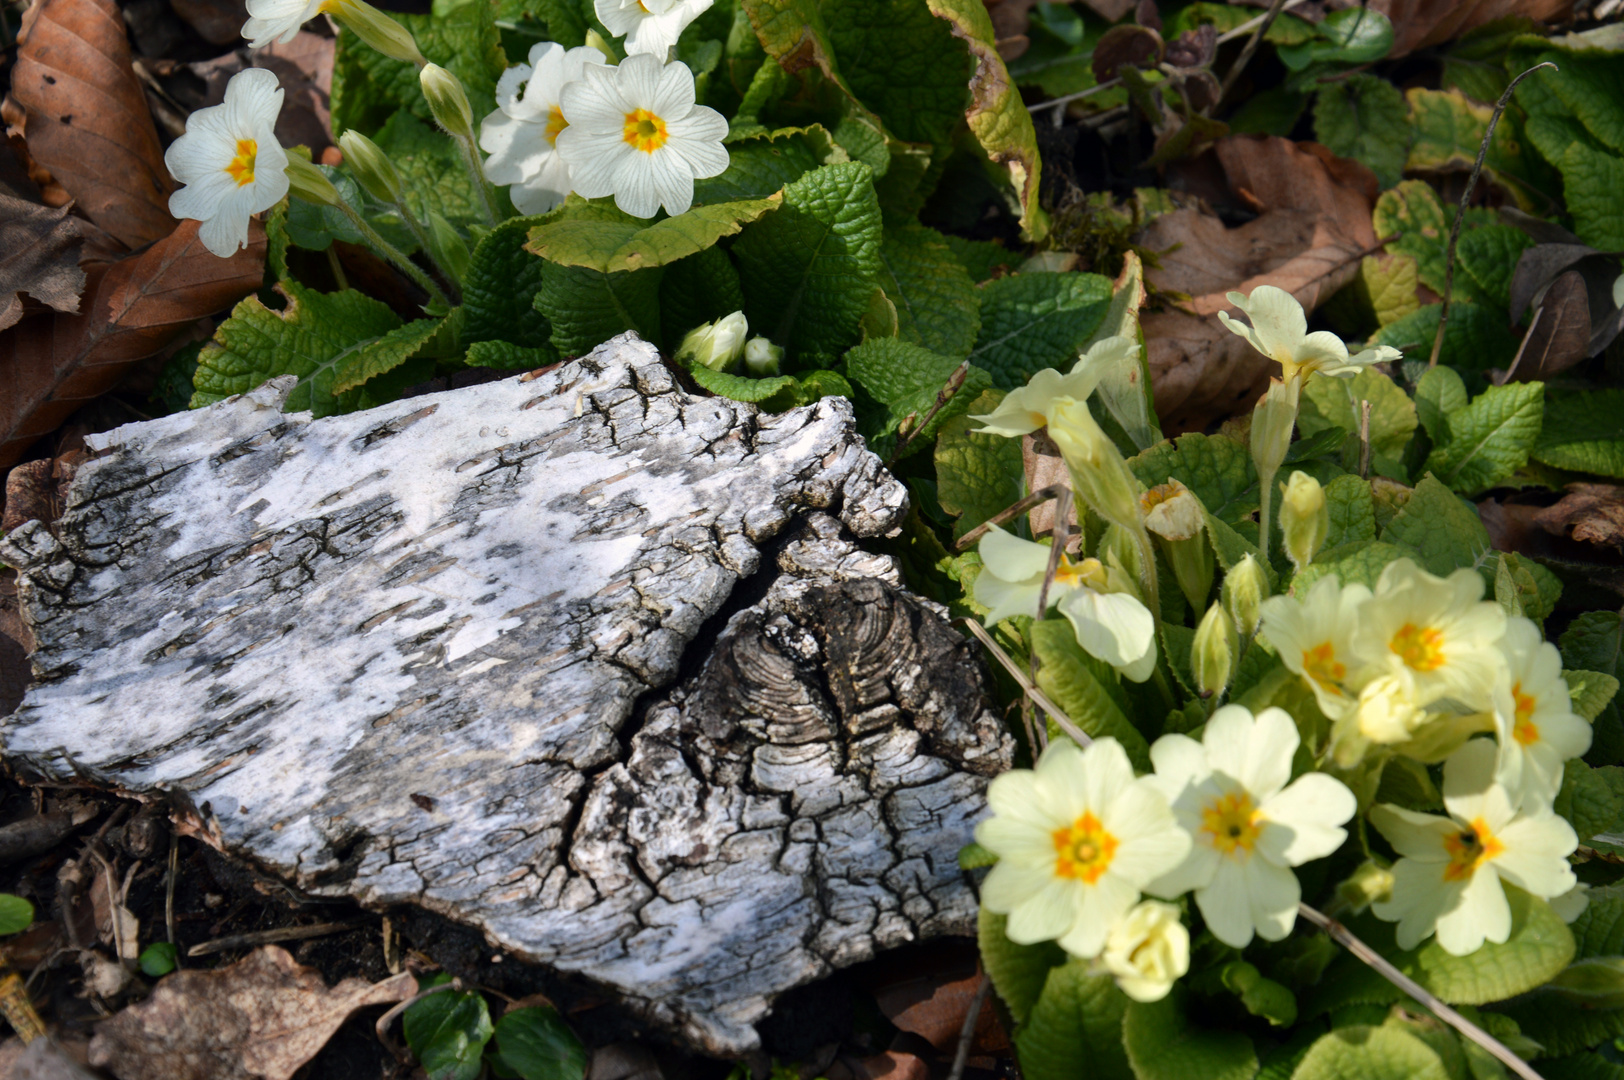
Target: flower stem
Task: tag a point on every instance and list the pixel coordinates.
(476, 170)
(393, 254)
(1345, 938)
(1265, 491)
(421, 234)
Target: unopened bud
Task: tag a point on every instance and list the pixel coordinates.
(450, 249)
(1212, 654)
(1177, 519)
(1365, 886)
(1099, 475)
(307, 182)
(1272, 424)
(448, 101)
(1305, 520)
(597, 41)
(372, 168)
(1245, 588)
(716, 345)
(377, 30)
(761, 357)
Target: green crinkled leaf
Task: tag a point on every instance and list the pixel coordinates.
(1539, 947)
(1593, 642)
(1287, 29)
(447, 1033)
(741, 388)
(1078, 1018)
(1489, 255)
(1414, 209)
(1587, 801)
(459, 35)
(1163, 1044)
(16, 914)
(759, 167)
(1584, 432)
(1439, 393)
(1580, 1067)
(808, 269)
(1018, 972)
(1217, 469)
(937, 303)
(509, 357)
(699, 289)
(1263, 997)
(980, 257)
(1591, 691)
(1447, 130)
(1442, 529)
(1599, 929)
(1352, 564)
(499, 287)
(1350, 36)
(1363, 1052)
(537, 1044)
(1231, 547)
(1559, 1027)
(976, 475)
(902, 63)
(319, 337)
(1334, 403)
(602, 237)
(1477, 338)
(1489, 439)
(1534, 589)
(906, 379)
(1590, 179)
(1034, 321)
(1071, 678)
(436, 178)
(1364, 117)
(588, 307)
(1352, 512)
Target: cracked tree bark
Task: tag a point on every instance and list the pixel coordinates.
(431, 654)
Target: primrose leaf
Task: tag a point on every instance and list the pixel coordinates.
(1489, 439)
(436, 179)
(1034, 321)
(1597, 217)
(1414, 210)
(536, 1043)
(906, 379)
(16, 914)
(1593, 642)
(743, 388)
(1440, 394)
(1335, 404)
(1163, 1044)
(1217, 469)
(498, 289)
(588, 307)
(1583, 432)
(808, 269)
(1018, 972)
(1363, 1052)
(937, 303)
(323, 338)
(1586, 800)
(1489, 255)
(903, 64)
(759, 167)
(1561, 1029)
(1441, 528)
(1350, 36)
(1072, 679)
(1364, 118)
(1352, 512)
(1447, 129)
(981, 258)
(158, 959)
(447, 1032)
(506, 356)
(1078, 1017)
(1477, 338)
(976, 475)
(459, 35)
(605, 239)
(1591, 691)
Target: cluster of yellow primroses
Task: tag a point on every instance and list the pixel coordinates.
(1419, 666)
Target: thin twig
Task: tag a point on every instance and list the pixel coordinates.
(268, 937)
(1252, 24)
(1465, 201)
(1251, 47)
(1345, 938)
(1064, 722)
(1058, 539)
(967, 1033)
(1523, 347)
(1067, 99)
(943, 396)
(1041, 495)
(1364, 439)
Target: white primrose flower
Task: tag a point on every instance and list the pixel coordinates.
(1148, 950)
(1313, 635)
(278, 20)
(1279, 331)
(649, 26)
(1449, 875)
(230, 162)
(1438, 633)
(1076, 839)
(635, 133)
(1025, 410)
(1250, 822)
(1533, 716)
(521, 134)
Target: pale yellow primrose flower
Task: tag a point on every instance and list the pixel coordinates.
(1436, 632)
(1148, 950)
(1025, 410)
(521, 134)
(1534, 717)
(229, 162)
(1449, 875)
(1111, 625)
(1250, 822)
(1076, 839)
(1279, 331)
(1314, 637)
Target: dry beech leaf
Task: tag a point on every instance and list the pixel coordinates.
(259, 1019)
(38, 490)
(1560, 337)
(87, 117)
(1312, 226)
(1591, 513)
(39, 255)
(52, 363)
(1420, 23)
(1010, 21)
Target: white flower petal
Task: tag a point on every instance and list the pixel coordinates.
(1273, 893)
(1226, 906)
(1309, 814)
(1112, 626)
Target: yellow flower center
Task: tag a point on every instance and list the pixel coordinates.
(1083, 850)
(1231, 822)
(1071, 575)
(1525, 731)
(1036, 418)
(241, 168)
(1321, 665)
(645, 131)
(555, 123)
(1420, 647)
(1469, 849)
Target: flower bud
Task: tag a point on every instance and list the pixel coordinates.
(761, 357)
(307, 182)
(1364, 887)
(1387, 712)
(1272, 424)
(597, 41)
(1213, 653)
(1148, 950)
(1245, 588)
(1177, 519)
(372, 168)
(716, 345)
(1098, 474)
(450, 249)
(378, 30)
(448, 101)
(1305, 520)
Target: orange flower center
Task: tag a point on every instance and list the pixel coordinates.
(241, 168)
(1231, 822)
(1469, 849)
(1321, 665)
(1525, 731)
(555, 123)
(1421, 648)
(1083, 850)
(645, 131)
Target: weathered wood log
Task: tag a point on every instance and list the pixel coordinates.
(433, 654)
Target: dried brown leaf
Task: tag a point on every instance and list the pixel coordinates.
(1560, 335)
(219, 21)
(1590, 513)
(39, 255)
(51, 363)
(87, 117)
(41, 1059)
(37, 491)
(259, 1019)
(1420, 23)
